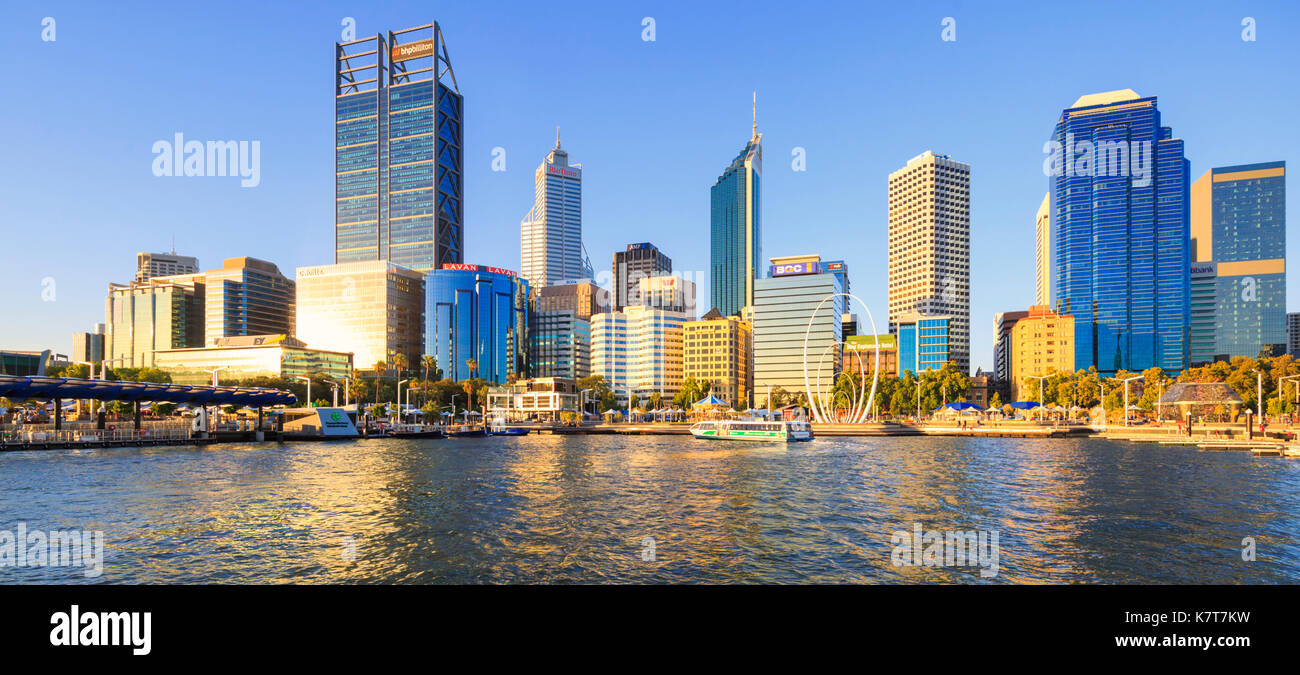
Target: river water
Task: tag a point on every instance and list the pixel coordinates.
(657, 509)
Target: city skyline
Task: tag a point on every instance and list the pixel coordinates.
(143, 214)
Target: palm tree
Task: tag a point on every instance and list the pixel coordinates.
(380, 367)
(430, 363)
(472, 365)
(400, 363)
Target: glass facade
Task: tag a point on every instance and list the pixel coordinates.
(560, 345)
(1120, 234)
(735, 232)
(373, 309)
(477, 313)
(639, 350)
(783, 306)
(398, 151)
(630, 266)
(922, 342)
(190, 366)
(248, 297)
(161, 313)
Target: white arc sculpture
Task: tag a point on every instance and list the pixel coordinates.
(822, 409)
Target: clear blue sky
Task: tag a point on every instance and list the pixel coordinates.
(862, 87)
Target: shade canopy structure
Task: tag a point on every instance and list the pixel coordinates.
(710, 401)
(1200, 398)
(48, 388)
(962, 406)
(1025, 405)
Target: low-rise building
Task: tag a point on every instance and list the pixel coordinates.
(241, 358)
(860, 354)
(717, 349)
(923, 342)
(540, 399)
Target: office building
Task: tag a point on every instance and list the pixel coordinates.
(583, 298)
(550, 235)
(24, 363)
(477, 322)
(559, 344)
(630, 266)
(161, 313)
(247, 296)
(735, 228)
(860, 354)
(669, 292)
(924, 342)
(398, 151)
(150, 265)
(1119, 185)
(372, 309)
(794, 294)
(1041, 344)
(253, 356)
(1293, 333)
(89, 347)
(639, 351)
(1043, 252)
(717, 349)
(929, 247)
(1238, 235)
(1003, 323)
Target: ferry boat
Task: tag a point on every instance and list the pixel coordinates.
(752, 430)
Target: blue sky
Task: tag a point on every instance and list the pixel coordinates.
(862, 87)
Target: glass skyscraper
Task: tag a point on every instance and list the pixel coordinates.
(735, 231)
(398, 145)
(1119, 205)
(1238, 234)
(478, 313)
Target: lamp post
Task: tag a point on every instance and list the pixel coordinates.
(399, 396)
(582, 398)
(1280, 380)
(334, 388)
(1126, 381)
(308, 379)
(214, 372)
(1040, 379)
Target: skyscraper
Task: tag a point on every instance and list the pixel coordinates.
(735, 228)
(1119, 185)
(247, 296)
(790, 303)
(631, 266)
(1043, 252)
(929, 247)
(150, 265)
(1238, 239)
(550, 236)
(398, 144)
(373, 309)
(477, 322)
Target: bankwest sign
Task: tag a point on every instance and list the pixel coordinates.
(412, 50)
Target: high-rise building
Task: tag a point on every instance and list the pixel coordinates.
(795, 294)
(630, 266)
(1043, 252)
(559, 344)
(669, 292)
(1293, 333)
(717, 349)
(735, 228)
(929, 246)
(89, 347)
(150, 265)
(1040, 345)
(161, 313)
(1238, 235)
(248, 296)
(924, 342)
(398, 146)
(1003, 324)
(638, 350)
(583, 298)
(373, 309)
(550, 235)
(1119, 184)
(477, 322)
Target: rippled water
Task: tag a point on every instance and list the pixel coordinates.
(579, 509)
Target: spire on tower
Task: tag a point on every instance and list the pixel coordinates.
(557, 137)
(756, 112)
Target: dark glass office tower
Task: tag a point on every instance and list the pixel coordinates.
(398, 151)
(1119, 187)
(735, 234)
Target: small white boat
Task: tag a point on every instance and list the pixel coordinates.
(752, 430)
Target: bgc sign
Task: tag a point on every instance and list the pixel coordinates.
(791, 269)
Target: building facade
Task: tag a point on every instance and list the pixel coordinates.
(669, 292)
(1043, 252)
(161, 313)
(1003, 323)
(717, 349)
(89, 347)
(550, 235)
(735, 229)
(924, 342)
(150, 265)
(254, 356)
(1041, 344)
(639, 351)
(1238, 239)
(929, 246)
(248, 296)
(583, 298)
(630, 266)
(372, 309)
(398, 147)
(559, 344)
(793, 295)
(1119, 185)
(477, 322)
(860, 354)
(540, 399)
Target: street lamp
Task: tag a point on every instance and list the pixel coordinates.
(582, 396)
(214, 372)
(1040, 379)
(334, 387)
(308, 379)
(399, 396)
(1126, 381)
(1280, 380)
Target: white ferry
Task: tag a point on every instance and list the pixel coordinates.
(752, 430)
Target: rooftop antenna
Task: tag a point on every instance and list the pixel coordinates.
(557, 137)
(173, 243)
(755, 112)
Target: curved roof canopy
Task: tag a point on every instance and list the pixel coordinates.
(45, 388)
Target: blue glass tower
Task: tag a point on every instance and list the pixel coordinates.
(398, 145)
(1120, 234)
(735, 233)
(477, 313)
